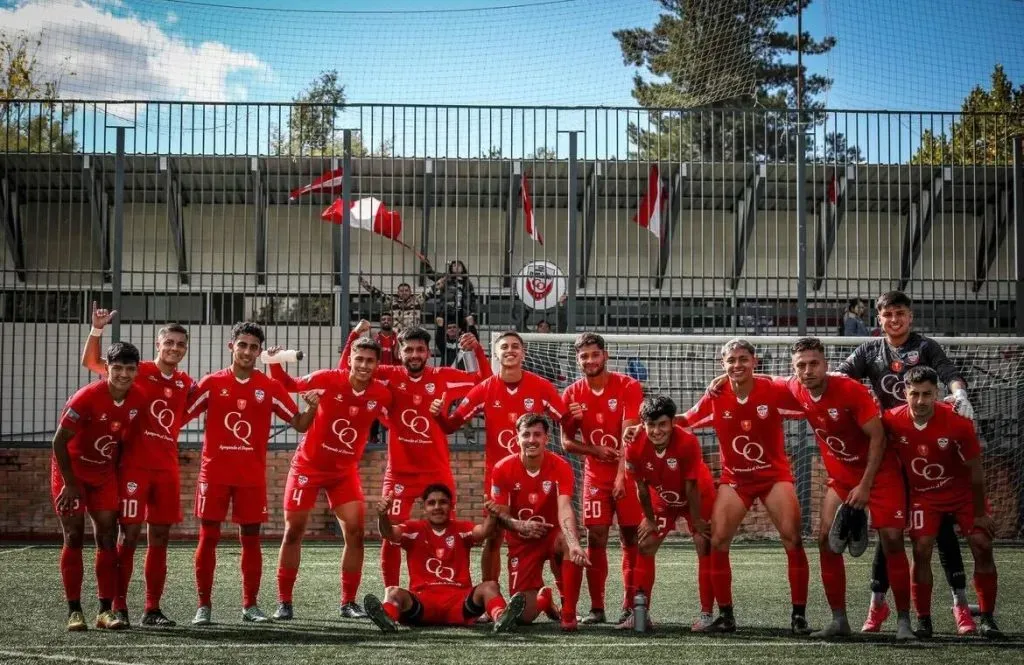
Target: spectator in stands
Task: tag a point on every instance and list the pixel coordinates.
(446, 342)
(543, 360)
(853, 319)
(388, 340)
(455, 294)
(405, 306)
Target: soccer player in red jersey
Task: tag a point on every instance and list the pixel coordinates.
(747, 417)
(537, 485)
(441, 592)
(502, 399)
(667, 465)
(387, 338)
(417, 446)
(327, 459)
(93, 424)
(149, 481)
(940, 451)
(862, 472)
(239, 402)
(602, 404)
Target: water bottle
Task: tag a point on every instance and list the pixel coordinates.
(285, 356)
(640, 612)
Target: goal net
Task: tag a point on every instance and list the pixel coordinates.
(681, 366)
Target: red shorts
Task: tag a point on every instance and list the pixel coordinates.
(526, 559)
(926, 516)
(441, 606)
(756, 489)
(887, 504)
(248, 503)
(302, 488)
(667, 515)
(149, 496)
(599, 507)
(96, 497)
(407, 491)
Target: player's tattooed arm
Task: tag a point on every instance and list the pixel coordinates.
(387, 530)
(567, 521)
(525, 528)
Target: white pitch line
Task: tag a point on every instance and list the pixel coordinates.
(469, 641)
(62, 658)
(20, 549)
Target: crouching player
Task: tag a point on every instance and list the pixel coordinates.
(437, 553)
(672, 481)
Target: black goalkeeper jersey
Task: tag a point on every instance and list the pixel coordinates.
(884, 365)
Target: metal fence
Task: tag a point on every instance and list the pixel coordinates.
(700, 221)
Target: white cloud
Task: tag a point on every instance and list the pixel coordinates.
(117, 55)
(172, 18)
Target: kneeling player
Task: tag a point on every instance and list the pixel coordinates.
(437, 553)
(672, 481)
(942, 457)
(537, 486)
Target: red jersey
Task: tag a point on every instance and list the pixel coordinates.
(668, 471)
(502, 405)
(603, 417)
(388, 348)
(238, 414)
(531, 496)
(438, 558)
(838, 417)
(749, 431)
(156, 448)
(100, 425)
(934, 455)
(341, 427)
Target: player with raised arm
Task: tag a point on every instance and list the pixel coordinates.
(94, 423)
(747, 417)
(417, 447)
(942, 457)
(441, 592)
(536, 486)
(863, 472)
(149, 480)
(884, 362)
(327, 459)
(601, 405)
(239, 402)
(502, 399)
(672, 481)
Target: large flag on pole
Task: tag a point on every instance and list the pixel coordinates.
(649, 215)
(369, 214)
(329, 181)
(528, 219)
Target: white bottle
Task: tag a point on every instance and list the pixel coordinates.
(640, 612)
(285, 356)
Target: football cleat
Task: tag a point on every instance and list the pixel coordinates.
(630, 624)
(284, 612)
(626, 613)
(723, 624)
(109, 621)
(877, 614)
(924, 628)
(76, 621)
(155, 617)
(203, 617)
(375, 610)
(904, 633)
(964, 621)
(839, 532)
(122, 615)
(987, 628)
(351, 610)
(507, 620)
(595, 616)
(703, 622)
(834, 629)
(253, 614)
(798, 625)
(858, 531)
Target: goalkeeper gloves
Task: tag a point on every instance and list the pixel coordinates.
(961, 404)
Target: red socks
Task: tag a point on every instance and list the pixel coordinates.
(705, 588)
(285, 583)
(597, 574)
(495, 606)
(350, 585)
(799, 575)
(899, 579)
(390, 563)
(252, 569)
(125, 567)
(985, 585)
(572, 580)
(155, 572)
(206, 561)
(833, 578)
(629, 555)
(106, 573)
(71, 572)
(721, 577)
(644, 575)
(922, 595)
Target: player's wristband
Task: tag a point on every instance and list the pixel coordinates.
(96, 332)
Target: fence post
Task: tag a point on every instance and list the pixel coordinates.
(570, 309)
(804, 465)
(1018, 226)
(117, 261)
(344, 258)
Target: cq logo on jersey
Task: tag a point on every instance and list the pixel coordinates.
(508, 440)
(934, 473)
(835, 444)
(162, 415)
(749, 450)
(418, 424)
(599, 439)
(105, 446)
(442, 572)
(240, 428)
(345, 433)
(670, 497)
(527, 515)
(894, 386)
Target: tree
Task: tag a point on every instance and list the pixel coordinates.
(543, 152)
(721, 54)
(982, 134)
(836, 150)
(36, 125)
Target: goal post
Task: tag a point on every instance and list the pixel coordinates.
(681, 366)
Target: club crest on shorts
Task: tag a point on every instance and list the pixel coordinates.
(746, 425)
(399, 489)
(913, 357)
(943, 443)
(513, 562)
(762, 411)
(672, 463)
(430, 388)
(613, 404)
(371, 405)
(132, 414)
(259, 396)
(593, 491)
(546, 486)
(202, 488)
(449, 542)
(241, 404)
(833, 414)
(131, 486)
(528, 403)
(303, 480)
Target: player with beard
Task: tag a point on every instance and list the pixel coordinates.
(502, 399)
(884, 362)
(602, 404)
(149, 480)
(417, 447)
(387, 338)
(239, 402)
(441, 592)
(327, 459)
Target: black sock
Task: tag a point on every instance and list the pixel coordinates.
(799, 610)
(725, 610)
(105, 604)
(879, 572)
(74, 606)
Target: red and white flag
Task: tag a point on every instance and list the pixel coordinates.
(368, 214)
(531, 225)
(651, 204)
(329, 181)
